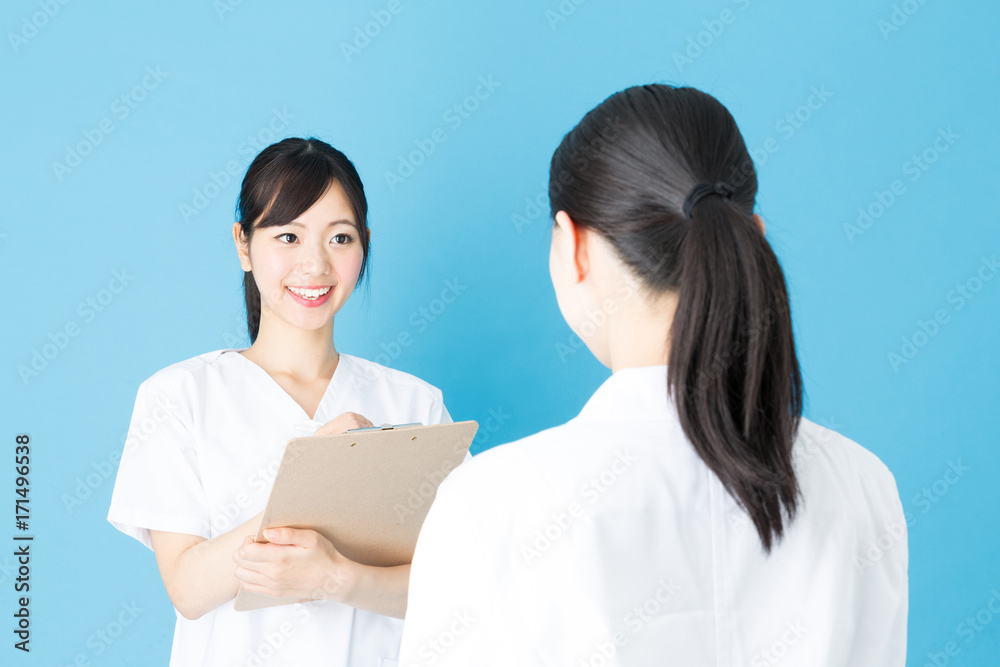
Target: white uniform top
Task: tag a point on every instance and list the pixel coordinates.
(607, 541)
(204, 444)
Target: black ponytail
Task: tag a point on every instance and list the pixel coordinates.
(626, 171)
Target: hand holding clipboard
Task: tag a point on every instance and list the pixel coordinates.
(367, 490)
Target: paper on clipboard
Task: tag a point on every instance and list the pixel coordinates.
(366, 491)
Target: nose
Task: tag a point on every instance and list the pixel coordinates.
(313, 260)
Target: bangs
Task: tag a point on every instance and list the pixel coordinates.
(286, 188)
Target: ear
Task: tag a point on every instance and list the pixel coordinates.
(570, 242)
(760, 222)
(242, 248)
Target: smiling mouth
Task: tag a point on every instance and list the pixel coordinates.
(309, 293)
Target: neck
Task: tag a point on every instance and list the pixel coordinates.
(638, 333)
(300, 353)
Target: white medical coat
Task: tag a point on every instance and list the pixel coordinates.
(607, 541)
(204, 444)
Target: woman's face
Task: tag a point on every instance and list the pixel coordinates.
(306, 269)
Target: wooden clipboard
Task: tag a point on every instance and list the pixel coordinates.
(367, 491)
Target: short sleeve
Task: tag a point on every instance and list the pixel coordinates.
(883, 579)
(438, 414)
(890, 580)
(158, 485)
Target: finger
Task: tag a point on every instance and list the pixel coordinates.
(248, 576)
(256, 553)
(237, 553)
(362, 421)
(288, 536)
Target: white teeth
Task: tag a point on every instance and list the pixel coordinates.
(309, 293)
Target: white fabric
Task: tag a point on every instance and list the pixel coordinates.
(607, 541)
(204, 443)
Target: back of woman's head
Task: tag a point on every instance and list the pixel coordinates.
(663, 174)
(282, 183)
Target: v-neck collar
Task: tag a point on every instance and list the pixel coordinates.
(337, 373)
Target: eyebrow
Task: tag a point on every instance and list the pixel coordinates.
(296, 223)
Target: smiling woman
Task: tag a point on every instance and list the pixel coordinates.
(321, 196)
(191, 490)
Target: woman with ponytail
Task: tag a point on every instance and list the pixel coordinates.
(689, 515)
(207, 435)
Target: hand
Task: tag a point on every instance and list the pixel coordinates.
(295, 563)
(343, 423)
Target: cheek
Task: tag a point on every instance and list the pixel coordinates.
(553, 263)
(556, 272)
(268, 271)
(563, 297)
(350, 266)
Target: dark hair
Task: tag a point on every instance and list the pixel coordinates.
(282, 182)
(625, 171)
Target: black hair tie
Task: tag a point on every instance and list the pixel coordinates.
(701, 191)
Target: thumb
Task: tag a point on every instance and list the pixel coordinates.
(283, 535)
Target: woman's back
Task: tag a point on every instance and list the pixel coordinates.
(689, 515)
(608, 539)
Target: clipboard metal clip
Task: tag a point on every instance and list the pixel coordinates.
(383, 427)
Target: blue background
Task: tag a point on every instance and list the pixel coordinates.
(468, 214)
